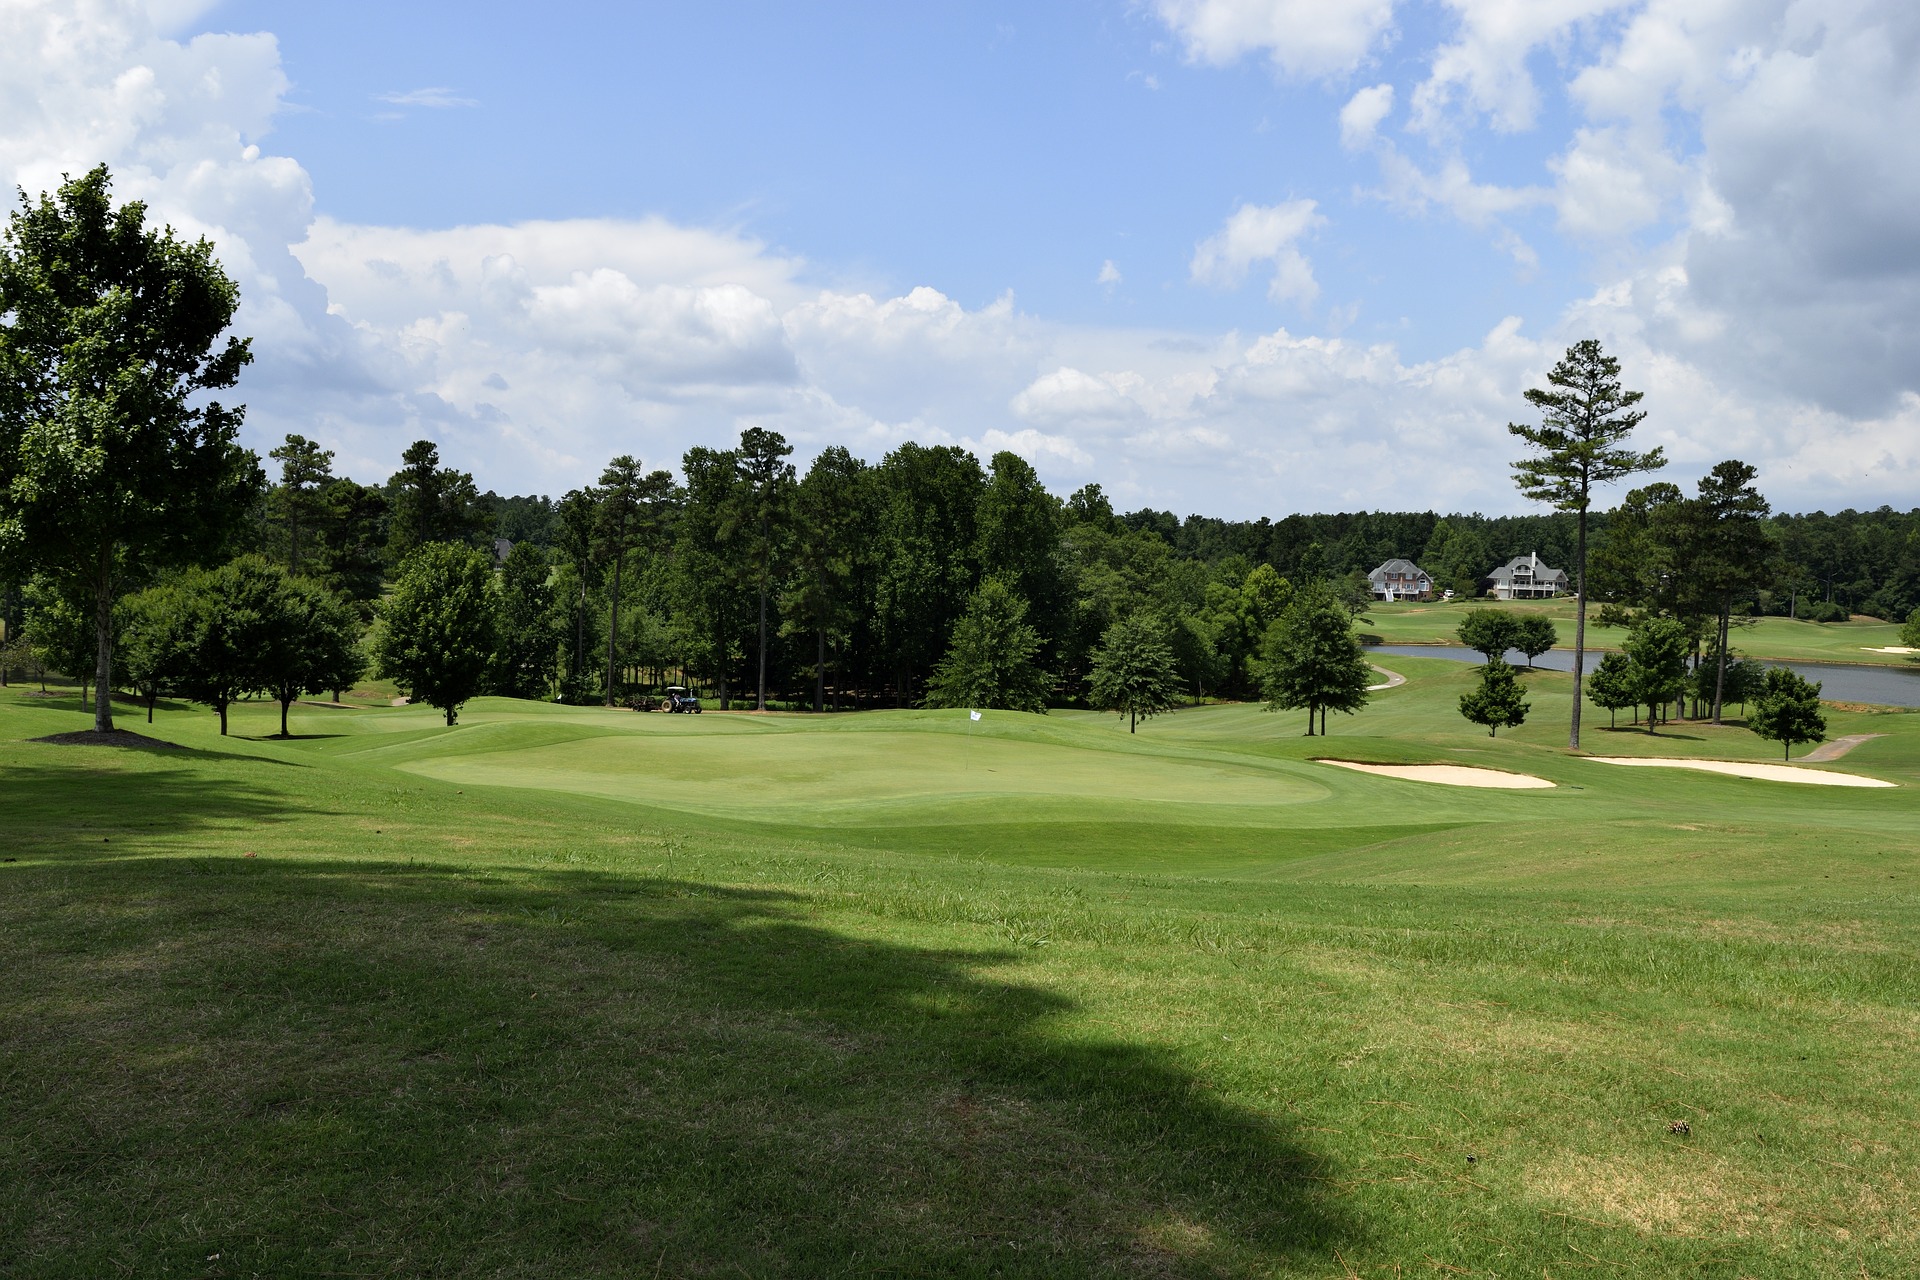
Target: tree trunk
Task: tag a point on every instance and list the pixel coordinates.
(1310, 711)
(450, 713)
(820, 673)
(1579, 619)
(221, 707)
(1720, 671)
(284, 704)
(1133, 720)
(613, 626)
(103, 654)
(760, 702)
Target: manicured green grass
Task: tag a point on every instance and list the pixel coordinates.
(570, 992)
(1782, 638)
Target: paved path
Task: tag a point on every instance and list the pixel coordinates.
(1394, 679)
(1837, 748)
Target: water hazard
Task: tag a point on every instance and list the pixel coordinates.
(1881, 686)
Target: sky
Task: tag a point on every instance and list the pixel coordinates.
(1235, 257)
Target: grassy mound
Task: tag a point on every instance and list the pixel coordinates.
(575, 992)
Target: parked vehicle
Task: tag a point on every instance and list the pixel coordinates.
(680, 699)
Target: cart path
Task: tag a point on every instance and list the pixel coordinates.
(1394, 679)
(1837, 748)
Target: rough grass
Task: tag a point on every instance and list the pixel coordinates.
(375, 1002)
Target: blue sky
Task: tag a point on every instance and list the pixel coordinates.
(973, 147)
(1240, 257)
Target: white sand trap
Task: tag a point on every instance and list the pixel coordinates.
(1892, 648)
(1743, 769)
(1452, 775)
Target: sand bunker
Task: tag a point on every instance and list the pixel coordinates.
(1892, 648)
(1743, 769)
(1452, 775)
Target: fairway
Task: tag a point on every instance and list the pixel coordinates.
(578, 992)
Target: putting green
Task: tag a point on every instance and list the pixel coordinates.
(843, 777)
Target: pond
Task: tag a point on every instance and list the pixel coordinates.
(1881, 686)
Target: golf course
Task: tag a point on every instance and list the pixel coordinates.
(566, 991)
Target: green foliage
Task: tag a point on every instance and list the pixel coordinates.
(1611, 686)
(238, 624)
(991, 662)
(631, 514)
(1657, 650)
(1585, 418)
(1311, 659)
(1133, 670)
(115, 461)
(527, 648)
(833, 521)
(156, 641)
(1910, 633)
(1020, 540)
(316, 644)
(1458, 555)
(1498, 701)
(1534, 634)
(928, 538)
(429, 503)
(305, 470)
(1490, 632)
(350, 536)
(758, 523)
(60, 629)
(436, 635)
(1787, 710)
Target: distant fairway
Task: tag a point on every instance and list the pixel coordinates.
(577, 992)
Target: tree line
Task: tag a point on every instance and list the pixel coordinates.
(925, 578)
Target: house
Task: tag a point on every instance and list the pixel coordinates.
(1401, 580)
(1525, 578)
(502, 548)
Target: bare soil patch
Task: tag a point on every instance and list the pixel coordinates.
(1451, 775)
(111, 738)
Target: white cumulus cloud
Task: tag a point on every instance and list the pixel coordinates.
(1261, 233)
(1302, 37)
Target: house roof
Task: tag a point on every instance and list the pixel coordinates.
(1405, 568)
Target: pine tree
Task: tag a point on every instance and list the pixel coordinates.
(1585, 418)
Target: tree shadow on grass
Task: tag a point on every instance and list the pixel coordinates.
(325, 1067)
(89, 790)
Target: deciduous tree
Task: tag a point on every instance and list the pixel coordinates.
(1312, 659)
(1611, 686)
(115, 459)
(1657, 648)
(991, 662)
(1787, 710)
(436, 638)
(1489, 632)
(1498, 701)
(1133, 670)
(156, 641)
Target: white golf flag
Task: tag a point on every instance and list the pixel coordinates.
(974, 714)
